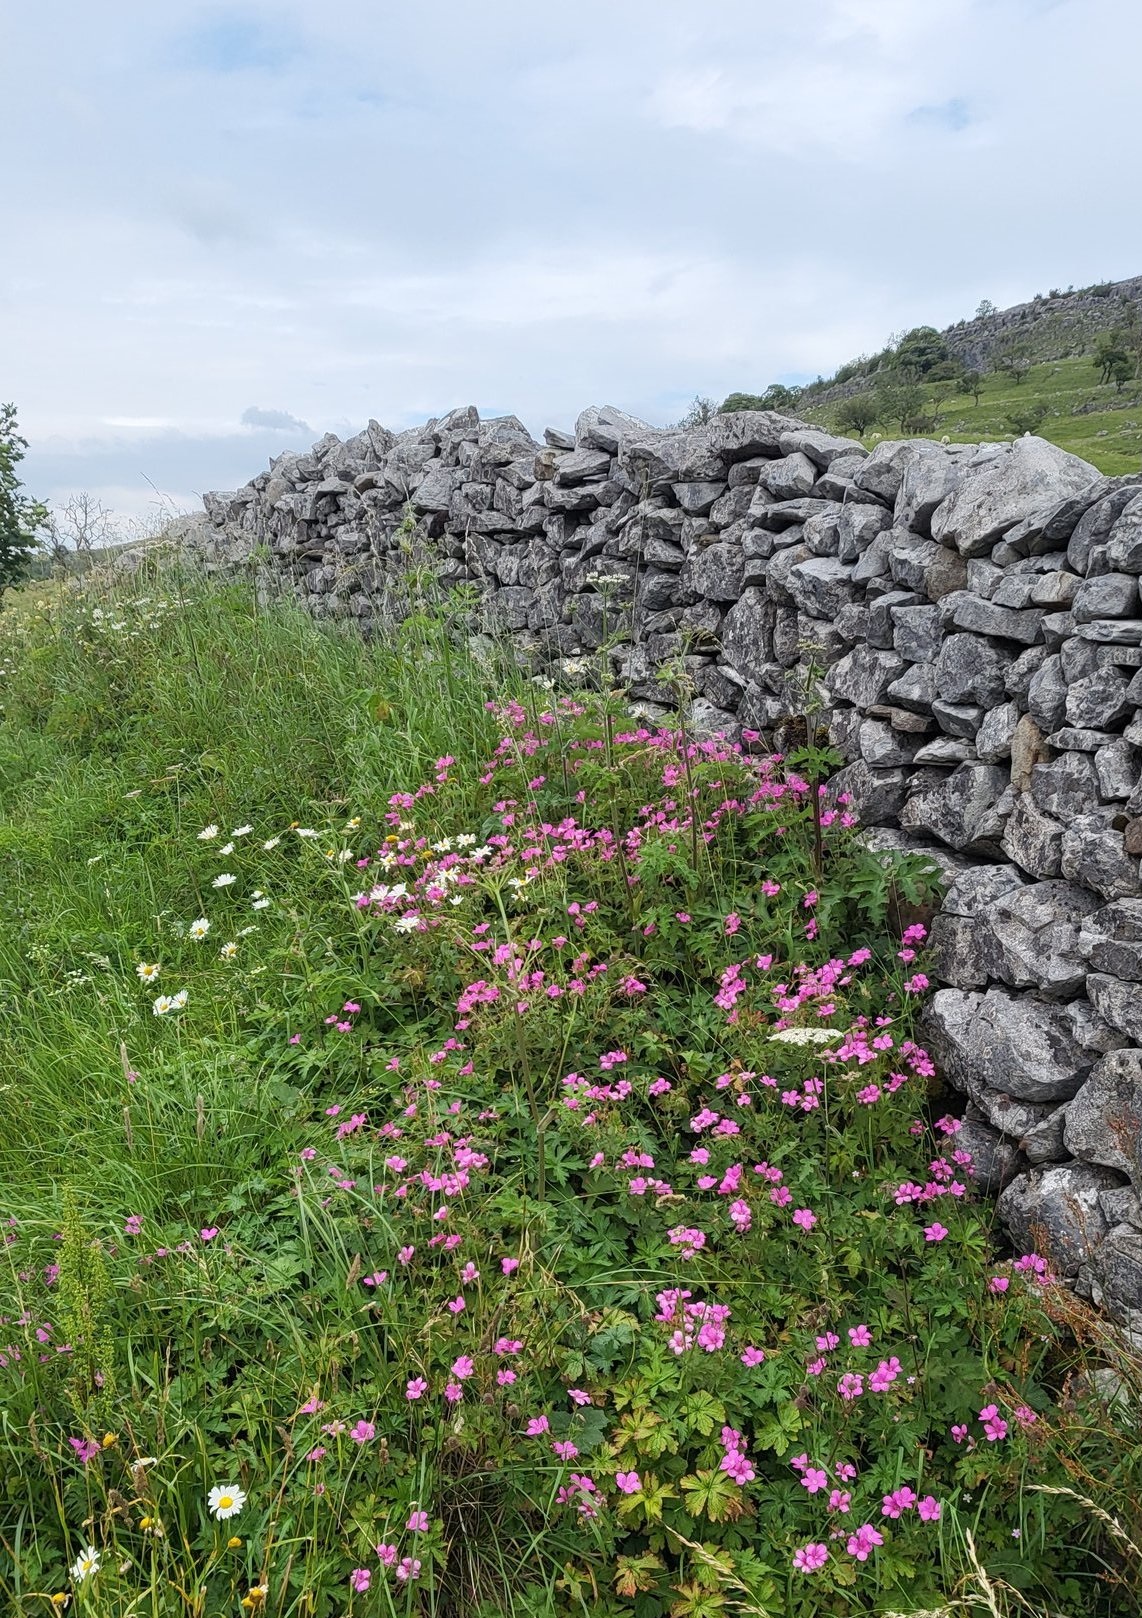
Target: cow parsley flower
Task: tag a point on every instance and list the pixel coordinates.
(805, 1036)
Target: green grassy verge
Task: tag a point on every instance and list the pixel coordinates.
(463, 1154)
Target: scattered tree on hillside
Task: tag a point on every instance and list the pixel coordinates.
(856, 415)
(919, 350)
(776, 397)
(698, 414)
(972, 382)
(733, 402)
(81, 524)
(1113, 357)
(1027, 420)
(21, 518)
(1012, 358)
(899, 400)
(984, 309)
(944, 371)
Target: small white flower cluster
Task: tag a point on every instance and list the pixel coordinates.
(170, 1002)
(805, 1036)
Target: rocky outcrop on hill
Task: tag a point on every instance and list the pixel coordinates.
(976, 612)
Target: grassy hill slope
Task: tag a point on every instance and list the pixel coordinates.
(1098, 422)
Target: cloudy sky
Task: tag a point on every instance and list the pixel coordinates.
(231, 228)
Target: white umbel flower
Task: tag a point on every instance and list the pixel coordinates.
(805, 1036)
(85, 1565)
(226, 1500)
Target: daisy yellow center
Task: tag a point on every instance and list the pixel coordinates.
(225, 1501)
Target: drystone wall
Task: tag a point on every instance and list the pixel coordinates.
(976, 610)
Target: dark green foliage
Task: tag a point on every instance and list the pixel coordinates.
(20, 517)
(919, 350)
(856, 415)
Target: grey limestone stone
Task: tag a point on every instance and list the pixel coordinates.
(993, 738)
(961, 810)
(1124, 546)
(864, 675)
(1040, 1050)
(1104, 1120)
(1033, 839)
(1056, 1211)
(970, 669)
(789, 477)
(998, 489)
(1095, 855)
(1112, 595)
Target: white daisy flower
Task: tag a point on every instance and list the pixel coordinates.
(271, 842)
(228, 951)
(207, 834)
(223, 880)
(306, 831)
(179, 1000)
(464, 839)
(85, 1565)
(246, 931)
(406, 924)
(162, 1005)
(351, 825)
(241, 831)
(147, 974)
(227, 848)
(226, 1500)
(199, 928)
(260, 904)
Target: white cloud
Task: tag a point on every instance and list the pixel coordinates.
(340, 219)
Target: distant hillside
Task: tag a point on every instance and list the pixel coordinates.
(1066, 366)
(1052, 326)
(1055, 326)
